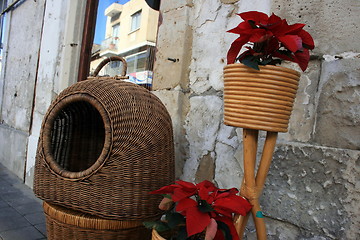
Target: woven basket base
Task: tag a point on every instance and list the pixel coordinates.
(65, 224)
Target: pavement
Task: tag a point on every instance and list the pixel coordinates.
(21, 213)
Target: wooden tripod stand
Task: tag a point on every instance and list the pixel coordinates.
(252, 184)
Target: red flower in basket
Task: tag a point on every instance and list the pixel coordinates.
(271, 39)
(205, 207)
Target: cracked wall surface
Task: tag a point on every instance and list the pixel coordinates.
(312, 191)
(18, 81)
(42, 40)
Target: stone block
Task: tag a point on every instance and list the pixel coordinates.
(276, 230)
(176, 104)
(173, 4)
(206, 169)
(255, 5)
(338, 110)
(201, 127)
(302, 120)
(228, 172)
(209, 49)
(315, 189)
(333, 24)
(174, 43)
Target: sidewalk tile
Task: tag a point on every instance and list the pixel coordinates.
(32, 207)
(10, 219)
(41, 227)
(35, 218)
(25, 233)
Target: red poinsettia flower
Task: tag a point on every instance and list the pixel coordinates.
(196, 220)
(272, 39)
(205, 207)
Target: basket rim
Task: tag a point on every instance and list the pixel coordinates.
(265, 67)
(49, 119)
(85, 220)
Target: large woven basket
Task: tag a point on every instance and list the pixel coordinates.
(104, 145)
(65, 224)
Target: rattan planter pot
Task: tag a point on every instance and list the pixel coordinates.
(165, 235)
(104, 145)
(156, 236)
(65, 224)
(261, 100)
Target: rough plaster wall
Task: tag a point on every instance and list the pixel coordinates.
(19, 79)
(52, 45)
(35, 71)
(172, 84)
(58, 66)
(312, 191)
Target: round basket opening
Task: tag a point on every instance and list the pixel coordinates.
(76, 139)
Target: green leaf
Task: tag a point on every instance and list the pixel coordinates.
(286, 52)
(275, 61)
(204, 206)
(250, 62)
(174, 219)
(167, 196)
(225, 229)
(158, 226)
(182, 234)
(149, 225)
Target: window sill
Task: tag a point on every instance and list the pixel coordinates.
(134, 31)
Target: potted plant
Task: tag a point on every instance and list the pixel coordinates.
(259, 95)
(198, 211)
(267, 95)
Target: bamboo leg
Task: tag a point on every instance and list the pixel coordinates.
(256, 189)
(266, 159)
(250, 138)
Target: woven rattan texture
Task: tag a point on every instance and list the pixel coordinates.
(137, 155)
(64, 224)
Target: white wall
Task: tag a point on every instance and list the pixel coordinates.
(42, 47)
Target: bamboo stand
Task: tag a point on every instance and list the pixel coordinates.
(252, 186)
(258, 100)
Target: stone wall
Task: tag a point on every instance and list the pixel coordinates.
(312, 191)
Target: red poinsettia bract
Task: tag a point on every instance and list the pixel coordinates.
(205, 207)
(272, 40)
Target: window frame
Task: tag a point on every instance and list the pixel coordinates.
(115, 33)
(137, 14)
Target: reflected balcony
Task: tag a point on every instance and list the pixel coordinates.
(109, 44)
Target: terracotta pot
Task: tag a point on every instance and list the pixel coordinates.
(261, 100)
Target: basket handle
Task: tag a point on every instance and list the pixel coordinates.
(109, 59)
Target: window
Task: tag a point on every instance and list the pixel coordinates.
(115, 33)
(137, 63)
(135, 21)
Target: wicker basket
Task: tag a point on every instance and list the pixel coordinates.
(64, 224)
(104, 145)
